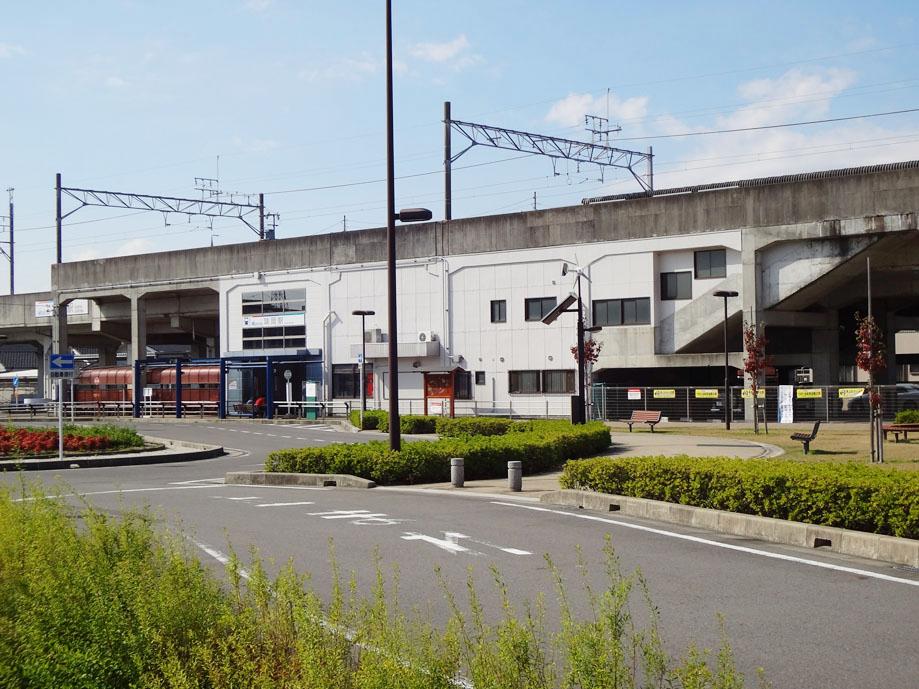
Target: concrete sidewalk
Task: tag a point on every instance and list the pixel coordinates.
(633, 444)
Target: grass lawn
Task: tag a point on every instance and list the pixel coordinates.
(835, 442)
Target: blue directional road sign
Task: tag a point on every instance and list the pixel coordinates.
(15, 381)
(61, 366)
(60, 362)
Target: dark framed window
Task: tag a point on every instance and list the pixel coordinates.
(537, 308)
(635, 311)
(499, 311)
(480, 377)
(346, 380)
(463, 385)
(558, 381)
(711, 263)
(676, 286)
(524, 382)
(274, 319)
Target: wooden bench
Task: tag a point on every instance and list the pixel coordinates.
(806, 438)
(643, 416)
(898, 428)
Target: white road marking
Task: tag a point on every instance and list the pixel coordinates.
(250, 497)
(128, 490)
(285, 436)
(220, 557)
(443, 544)
(256, 432)
(196, 480)
(283, 504)
(718, 544)
(454, 537)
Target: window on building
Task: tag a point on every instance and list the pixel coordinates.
(558, 381)
(346, 380)
(636, 311)
(523, 382)
(463, 385)
(480, 377)
(536, 309)
(711, 263)
(274, 319)
(499, 311)
(676, 286)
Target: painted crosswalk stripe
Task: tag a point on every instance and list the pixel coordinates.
(283, 504)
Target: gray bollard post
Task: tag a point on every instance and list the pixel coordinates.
(515, 476)
(457, 472)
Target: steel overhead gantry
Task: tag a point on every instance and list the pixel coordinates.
(211, 208)
(539, 144)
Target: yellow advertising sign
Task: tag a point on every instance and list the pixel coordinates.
(664, 394)
(808, 393)
(748, 394)
(849, 393)
(706, 394)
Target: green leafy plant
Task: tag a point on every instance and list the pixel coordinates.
(540, 446)
(907, 416)
(851, 496)
(472, 425)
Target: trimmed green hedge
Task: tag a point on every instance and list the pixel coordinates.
(378, 420)
(851, 496)
(542, 448)
(472, 425)
(907, 416)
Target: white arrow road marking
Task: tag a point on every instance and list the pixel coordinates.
(454, 537)
(451, 546)
(283, 504)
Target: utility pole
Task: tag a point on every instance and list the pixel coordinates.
(9, 222)
(58, 217)
(534, 200)
(448, 162)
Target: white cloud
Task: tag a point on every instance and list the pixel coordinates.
(132, 247)
(114, 82)
(455, 54)
(352, 69)
(570, 111)
(440, 52)
(10, 50)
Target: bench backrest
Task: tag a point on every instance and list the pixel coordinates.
(816, 428)
(645, 415)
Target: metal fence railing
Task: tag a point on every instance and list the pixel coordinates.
(782, 403)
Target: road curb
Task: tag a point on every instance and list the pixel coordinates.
(276, 478)
(195, 451)
(901, 551)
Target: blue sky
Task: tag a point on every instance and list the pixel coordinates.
(278, 95)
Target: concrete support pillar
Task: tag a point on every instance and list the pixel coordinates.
(108, 354)
(59, 343)
(825, 348)
(138, 329)
(889, 376)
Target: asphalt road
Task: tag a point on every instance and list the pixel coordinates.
(811, 619)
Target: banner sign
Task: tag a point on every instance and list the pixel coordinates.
(275, 320)
(706, 394)
(747, 393)
(849, 393)
(634, 393)
(786, 404)
(809, 393)
(665, 394)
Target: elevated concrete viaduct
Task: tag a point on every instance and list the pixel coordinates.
(794, 247)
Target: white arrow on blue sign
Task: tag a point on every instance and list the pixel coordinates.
(60, 362)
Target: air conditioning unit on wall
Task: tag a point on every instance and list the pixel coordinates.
(426, 336)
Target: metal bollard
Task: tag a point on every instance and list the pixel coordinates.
(515, 476)
(457, 472)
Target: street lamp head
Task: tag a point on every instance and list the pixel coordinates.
(725, 293)
(550, 317)
(414, 215)
(361, 312)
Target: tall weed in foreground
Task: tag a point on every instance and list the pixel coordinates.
(90, 601)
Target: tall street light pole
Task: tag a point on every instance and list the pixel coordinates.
(363, 314)
(406, 215)
(725, 294)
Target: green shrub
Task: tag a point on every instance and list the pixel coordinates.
(907, 416)
(374, 420)
(543, 448)
(850, 496)
(416, 423)
(472, 425)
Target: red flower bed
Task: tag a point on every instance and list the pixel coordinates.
(24, 442)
